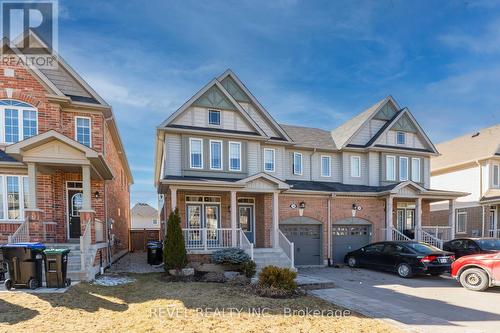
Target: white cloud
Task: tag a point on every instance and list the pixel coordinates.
(485, 42)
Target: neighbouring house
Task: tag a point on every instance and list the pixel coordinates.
(470, 163)
(144, 226)
(292, 195)
(64, 175)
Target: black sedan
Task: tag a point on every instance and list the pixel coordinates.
(466, 246)
(406, 258)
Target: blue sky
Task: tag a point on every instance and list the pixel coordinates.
(313, 63)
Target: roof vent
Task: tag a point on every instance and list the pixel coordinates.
(475, 134)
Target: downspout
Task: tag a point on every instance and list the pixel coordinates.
(483, 217)
(328, 230)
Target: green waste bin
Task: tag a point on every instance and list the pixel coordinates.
(25, 263)
(56, 268)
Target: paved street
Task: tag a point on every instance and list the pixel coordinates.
(421, 304)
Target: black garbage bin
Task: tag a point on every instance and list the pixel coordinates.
(24, 261)
(155, 253)
(56, 268)
(3, 267)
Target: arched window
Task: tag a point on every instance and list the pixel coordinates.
(18, 121)
(76, 204)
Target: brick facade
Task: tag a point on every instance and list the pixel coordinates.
(474, 225)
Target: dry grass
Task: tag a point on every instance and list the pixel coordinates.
(151, 305)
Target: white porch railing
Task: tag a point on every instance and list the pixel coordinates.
(245, 244)
(99, 231)
(22, 234)
(85, 242)
(396, 235)
(491, 233)
(428, 238)
(440, 232)
(287, 247)
(207, 239)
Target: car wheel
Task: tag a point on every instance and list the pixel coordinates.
(32, 284)
(352, 262)
(405, 271)
(8, 284)
(474, 279)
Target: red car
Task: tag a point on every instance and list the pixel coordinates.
(477, 272)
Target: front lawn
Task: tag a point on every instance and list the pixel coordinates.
(150, 304)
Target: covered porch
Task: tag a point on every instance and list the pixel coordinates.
(490, 205)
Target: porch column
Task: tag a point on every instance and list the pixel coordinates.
(173, 198)
(451, 217)
(86, 203)
(32, 204)
(388, 217)
(275, 228)
(234, 209)
(418, 218)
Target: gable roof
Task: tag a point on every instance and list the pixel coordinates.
(143, 209)
(343, 134)
(468, 148)
(309, 137)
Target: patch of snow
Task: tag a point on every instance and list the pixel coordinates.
(113, 280)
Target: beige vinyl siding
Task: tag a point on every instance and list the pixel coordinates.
(374, 169)
(306, 164)
(259, 119)
(335, 167)
(367, 132)
(198, 117)
(279, 161)
(254, 158)
(426, 175)
(173, 154)
(412, 140)
(346, 163)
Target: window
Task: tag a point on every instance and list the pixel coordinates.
(400, 138)
(326, 162)
(297, 163)
(415, 170)
(403, 168)
(461, 223)
(82, 131)
(155, 222)
(390, 168)
(235, 156)
(355, 166)
(496, 175)
(214, 117)
(195, 153)
(269, 159)
(216, 154)
(18, 121)
(13, 197)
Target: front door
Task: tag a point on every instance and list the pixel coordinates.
(75, 204)
(246, 221)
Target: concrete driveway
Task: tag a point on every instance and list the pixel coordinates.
(423, 303)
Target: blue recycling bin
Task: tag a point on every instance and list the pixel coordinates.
(25, 264)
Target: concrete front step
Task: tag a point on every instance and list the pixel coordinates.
(270, 256)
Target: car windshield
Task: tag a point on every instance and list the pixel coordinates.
(422, 248)
(489, 244)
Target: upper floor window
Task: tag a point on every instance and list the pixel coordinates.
(297, 163)
(496, 175)
(355, 166)
(234, 156)
(326, 166)
(461, 223)
(216, 154)
(214, 117)
(269, 159)
(196, 153)
(18, 121)
(415, 170)
(390, 168)
(83, 131)
(401, 138)
(403, 168)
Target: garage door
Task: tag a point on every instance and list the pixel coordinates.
(346, 238)
(306, 240)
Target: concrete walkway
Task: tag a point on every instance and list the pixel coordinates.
(420, 304)
(135, 262)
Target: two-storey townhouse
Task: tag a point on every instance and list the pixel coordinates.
(470, 163)
(292, 195)
(64, 175)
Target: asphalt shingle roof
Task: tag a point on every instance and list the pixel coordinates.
(310, 137)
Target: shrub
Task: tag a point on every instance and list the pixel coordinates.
(249, 268)
(272, 277)
(174, 248)
(230, 256)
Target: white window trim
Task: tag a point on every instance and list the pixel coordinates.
(90, 129)
(190, 150)
(5, 205)
(229, 155)
(220, 118)
(329, 174)
(465, 224)
(296, 172)
(221, 154)
(404, 136)
(20, 119)
(407, 168)
(274, 159)
(354, 175)
(497, 184)
(387, 159)
(413, 178)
